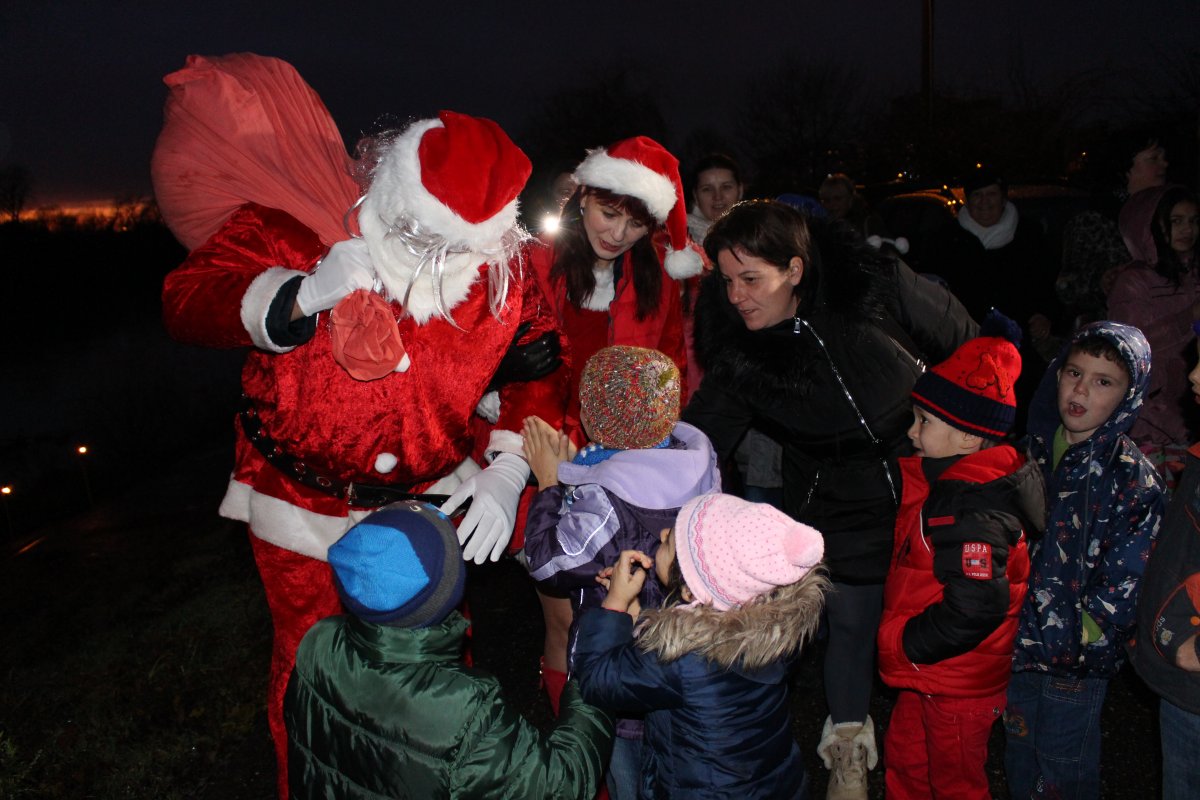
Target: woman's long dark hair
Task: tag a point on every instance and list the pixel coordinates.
(1169, 265)
(574, 257)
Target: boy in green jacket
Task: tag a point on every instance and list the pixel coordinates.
(380, 704)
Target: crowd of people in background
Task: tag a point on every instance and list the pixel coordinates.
(713, 427)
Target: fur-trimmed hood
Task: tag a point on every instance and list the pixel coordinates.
(748, 637)
(845, 281)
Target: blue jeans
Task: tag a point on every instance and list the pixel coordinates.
(1052, 736)
(624, 769)
(1180, 732)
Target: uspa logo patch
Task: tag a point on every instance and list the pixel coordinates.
(977, 560)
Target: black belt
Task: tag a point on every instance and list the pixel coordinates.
(360, 495)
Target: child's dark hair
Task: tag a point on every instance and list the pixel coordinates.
(1100, 347)
(1169, 264)
(673, 590)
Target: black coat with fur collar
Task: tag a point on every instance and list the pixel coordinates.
(839, 465)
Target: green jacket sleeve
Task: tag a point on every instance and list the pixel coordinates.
(506, 756)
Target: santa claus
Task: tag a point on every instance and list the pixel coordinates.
(370, 352)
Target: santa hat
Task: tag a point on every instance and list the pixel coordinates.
(456, 177)
(641, 167)
(731, 551)
(629, 397)
(400, 566)
(972, 390)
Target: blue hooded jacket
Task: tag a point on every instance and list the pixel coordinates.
(1105, 506)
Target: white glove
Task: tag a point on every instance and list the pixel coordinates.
(345, 268)
(494, 494)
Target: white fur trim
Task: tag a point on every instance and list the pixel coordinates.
(827, 740)
(283, 524)
(396, 192)
(682, 264)
(385, 463)
(604, 293)
(306, 532)
(488, 407)
(859, 733)
(396, 196)
(502, 441)
(622, 176)
(461, 272)
(448, 484)
(256, 302)
(866, 737)
(405, 363)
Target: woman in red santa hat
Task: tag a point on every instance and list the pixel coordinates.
(612, 273)
(369, 353)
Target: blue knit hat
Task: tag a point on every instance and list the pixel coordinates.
(973, 390)
(400, 566)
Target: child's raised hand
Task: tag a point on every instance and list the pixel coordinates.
(542, 450)
(625, 580)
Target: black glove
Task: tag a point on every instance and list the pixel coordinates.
(527, 362)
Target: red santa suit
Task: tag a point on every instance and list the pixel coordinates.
(311, 433)
(405, 430)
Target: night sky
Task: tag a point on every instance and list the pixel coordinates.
(81, 93)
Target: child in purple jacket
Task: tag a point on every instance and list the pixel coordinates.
(618, 493)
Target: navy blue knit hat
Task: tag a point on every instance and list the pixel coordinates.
(973, 390)
(400, 566)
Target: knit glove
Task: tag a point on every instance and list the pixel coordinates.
(344, 269)
(494, 492)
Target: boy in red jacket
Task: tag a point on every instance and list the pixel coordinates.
(958, 574)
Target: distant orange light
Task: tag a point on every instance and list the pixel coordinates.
(978, 165)
(5, 490)
(82, 450)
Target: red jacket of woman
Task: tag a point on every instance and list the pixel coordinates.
(587, 330)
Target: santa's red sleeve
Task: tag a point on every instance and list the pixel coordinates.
(220, 295)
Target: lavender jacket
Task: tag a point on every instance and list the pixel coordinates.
(580, 526)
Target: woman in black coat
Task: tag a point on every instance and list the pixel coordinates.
(815, 339)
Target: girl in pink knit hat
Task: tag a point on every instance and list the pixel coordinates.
(745, 588)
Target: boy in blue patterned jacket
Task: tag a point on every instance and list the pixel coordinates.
(1105, 506)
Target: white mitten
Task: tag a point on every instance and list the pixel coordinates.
(345, 268)
(494, 492)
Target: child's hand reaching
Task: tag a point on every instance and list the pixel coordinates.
(545, 449)
(624, 580)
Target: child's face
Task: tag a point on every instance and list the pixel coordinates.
(1185, 224)
(664, 556)
(1089, 390)
(932, 437)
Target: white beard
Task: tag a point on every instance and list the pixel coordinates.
(460, 273)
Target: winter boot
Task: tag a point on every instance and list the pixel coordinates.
(848, 749)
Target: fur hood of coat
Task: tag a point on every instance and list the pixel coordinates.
(847, 283)
(747, 637)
